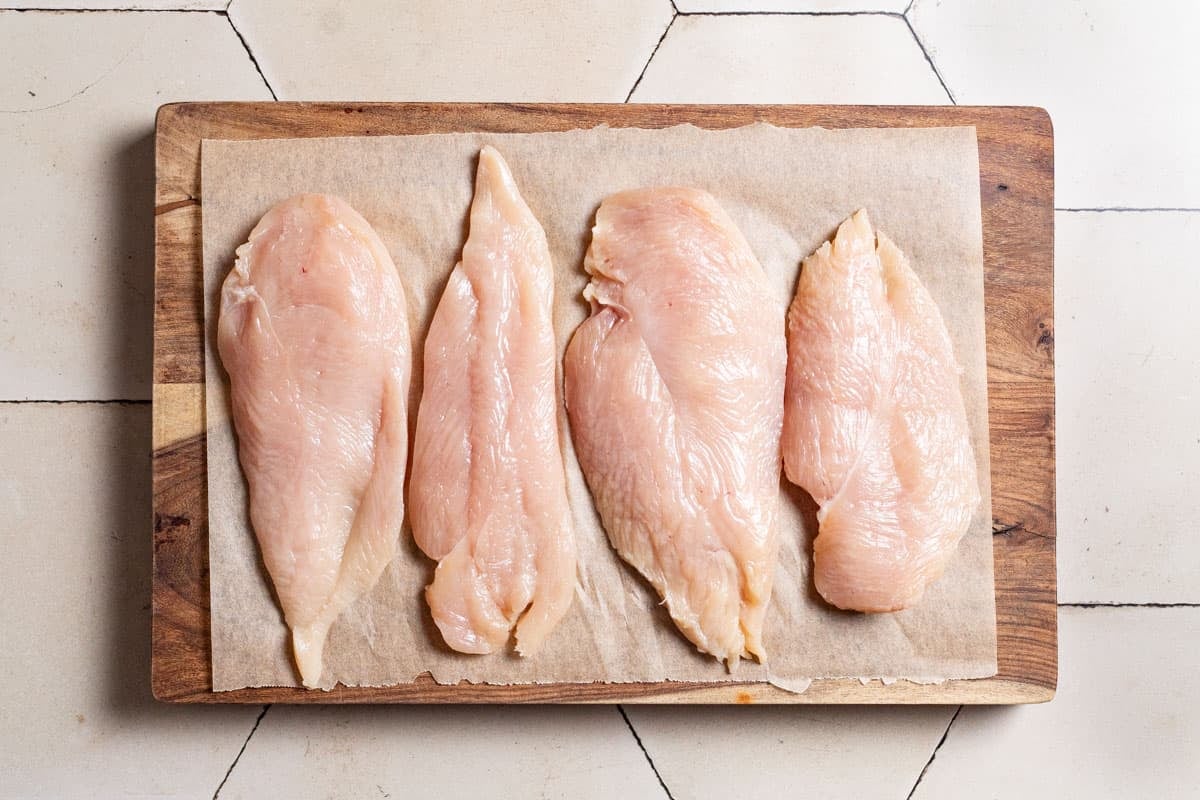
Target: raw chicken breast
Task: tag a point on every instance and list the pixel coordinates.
(674, 388)
(488, 491)
(314, 334)
(875, 427)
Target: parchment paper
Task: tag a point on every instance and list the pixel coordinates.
(787, 189)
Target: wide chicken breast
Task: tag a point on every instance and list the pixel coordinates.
(674, 388)
(313, 332)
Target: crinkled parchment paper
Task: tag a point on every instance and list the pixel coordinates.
(787, 189)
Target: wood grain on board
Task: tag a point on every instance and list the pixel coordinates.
(1016, 164)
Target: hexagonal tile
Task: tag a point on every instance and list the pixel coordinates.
(1125, 722)
(77, 119)
(459, 752)
(532, 51)
(1111, 73)
(1128, 379)
(789, 59)
(812, 751)
(76, 715)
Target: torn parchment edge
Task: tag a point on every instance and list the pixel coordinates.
(790, 685)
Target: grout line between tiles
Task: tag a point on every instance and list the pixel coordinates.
(1127, 209)
(238, 757)
(115, 10)
(928, 58)
(653, 52)
(879, 13)
(249, 52)
(1129, 605)
(75, 402)
(933, 755)
(642, 747)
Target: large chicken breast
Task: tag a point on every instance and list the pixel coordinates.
(674, 388)
(313, 332)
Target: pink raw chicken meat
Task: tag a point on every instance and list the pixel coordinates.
(674, 388)
(314, 335)
(874, 426)
(488, 492)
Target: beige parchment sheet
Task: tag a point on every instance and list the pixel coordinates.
(787, 189)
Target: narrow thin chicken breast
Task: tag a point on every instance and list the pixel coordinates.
(488, 493)
(313, 332)
(874, 427)
(674, 387)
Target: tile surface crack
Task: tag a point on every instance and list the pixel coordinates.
(933, 755)
(642, 747)
(82, 91)
(236, 758)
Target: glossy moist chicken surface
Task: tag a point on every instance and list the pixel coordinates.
(674, 388)
(313, 332)
(874, 424)
(488, 491)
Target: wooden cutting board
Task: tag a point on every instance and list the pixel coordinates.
(1016, 181)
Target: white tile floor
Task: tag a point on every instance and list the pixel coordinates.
(1115, 76)
(755, 752)
(588, 50)
(1126, 288)
(76, 715)
(1124, 724)
(806, 59)
(464, 752)
(76, 117)
(76, 122)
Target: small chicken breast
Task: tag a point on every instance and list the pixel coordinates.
(313, 332)
(874, 427)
